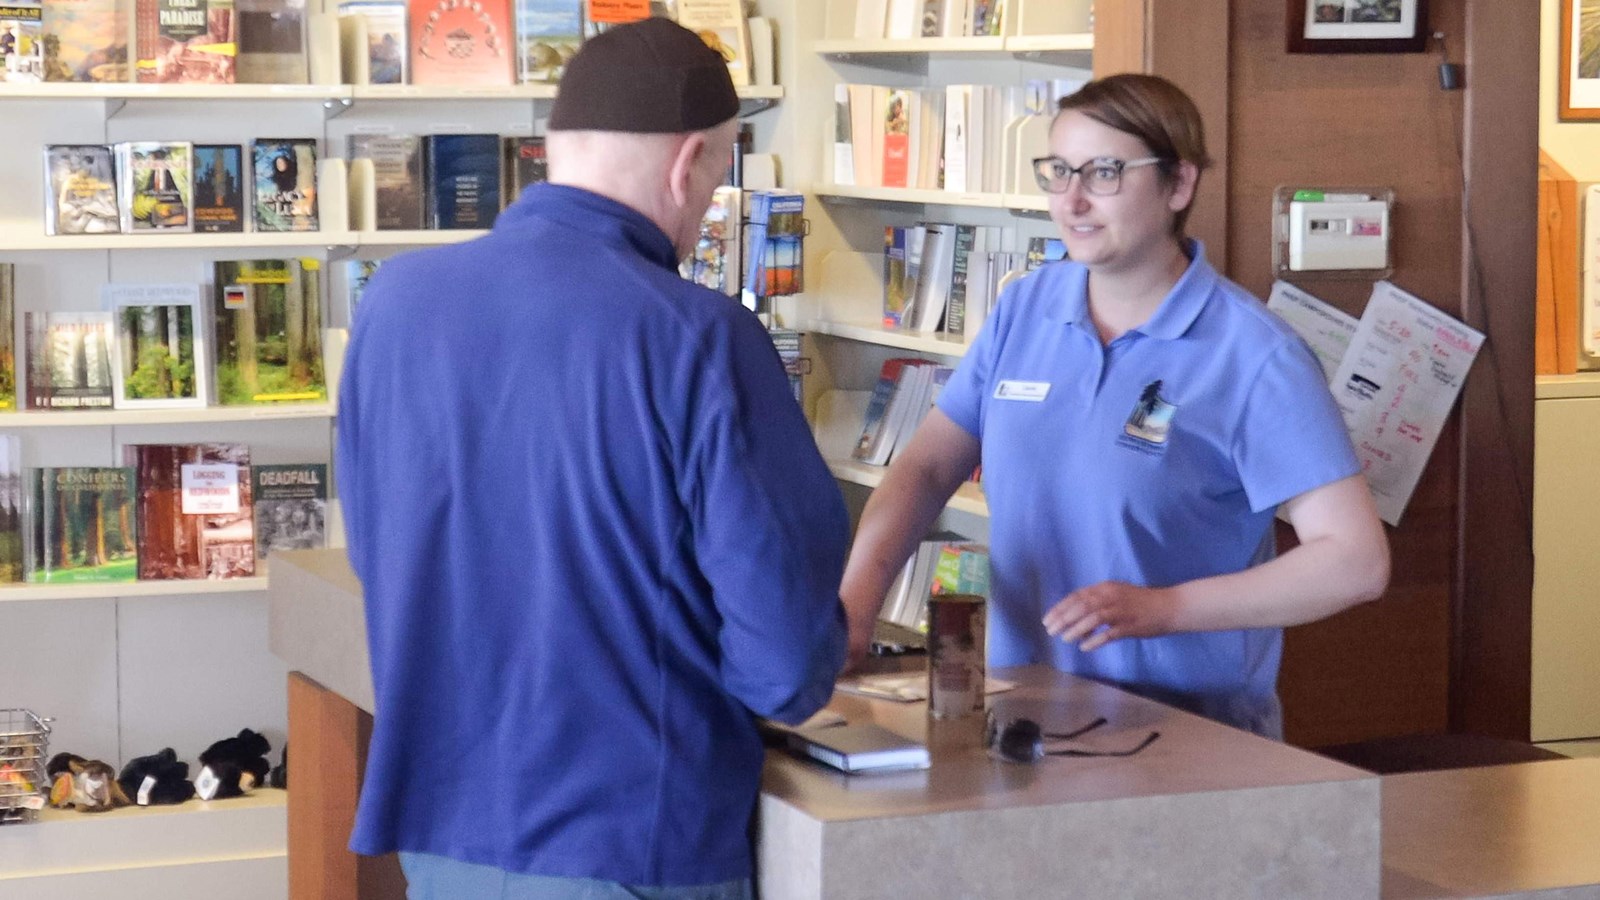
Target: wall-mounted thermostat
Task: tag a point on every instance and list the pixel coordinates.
(1334, 232)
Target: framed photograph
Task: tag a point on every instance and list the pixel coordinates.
(1580, 59)
(1358, 26)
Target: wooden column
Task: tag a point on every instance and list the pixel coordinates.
(328, 738)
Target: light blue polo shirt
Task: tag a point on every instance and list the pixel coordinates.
(1156, 460)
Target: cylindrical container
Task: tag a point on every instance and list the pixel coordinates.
(955, 656)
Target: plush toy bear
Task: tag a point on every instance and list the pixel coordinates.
(280, 773)
(233, 767)
(167, 778)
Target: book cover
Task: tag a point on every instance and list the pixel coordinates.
(859, 747)
(8, 346)
(218, 188)
(13, 560)
(894, 275)
(357, 273)
(461, 43)
(82, 528)
(1043, 250)
(285, 184)
(195, 511)
(156, 185)
(782, 258)
(85, 40)
(21, 41)
(721, 24)
(291, 507)
(549, 32)
(81, 190)
(463, 180)
(188, 41)
(386, 36)
(896, 139)
(396, 178)
(272, 42)
(68, 356)
(160, 352)
(268, 327)
(526, 163)
(955, 315)
(715, 260)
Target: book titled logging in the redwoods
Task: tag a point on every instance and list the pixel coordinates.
(196, 515)
(83, 526)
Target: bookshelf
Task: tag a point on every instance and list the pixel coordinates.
(42, 419)
(110, 589)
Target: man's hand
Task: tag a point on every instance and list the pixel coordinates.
(1110, 610)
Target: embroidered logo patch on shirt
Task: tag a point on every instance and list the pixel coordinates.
(1030, 391)
(1151, 420)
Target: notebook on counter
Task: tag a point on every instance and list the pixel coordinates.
(859, 748)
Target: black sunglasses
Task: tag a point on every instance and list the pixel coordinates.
(1022, 740)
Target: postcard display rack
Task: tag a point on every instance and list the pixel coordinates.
(841, 311)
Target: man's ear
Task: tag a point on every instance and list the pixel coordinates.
(684, 160)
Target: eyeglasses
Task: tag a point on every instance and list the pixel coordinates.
(1101, 177)
(1022, 740)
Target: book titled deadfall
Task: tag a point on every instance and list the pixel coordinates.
(291, 507)
(83, 526)
(196, 516)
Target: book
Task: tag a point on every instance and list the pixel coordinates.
(862, 747)
(160, 353)
(598, 15)
(463, 180)
(81, 190)
(773, 245)
(549, 33)
(715, 260)
(155, 185)
(267, 316)
(383, 31)
(85, 40)
(526, 162)
(285, 188)
(68, 356)
(218, 188)
(291, 507)
(21, 42)
(188, 41)
(8, 339)
(396, 178)
(82, 527)
(194, 509)
(788, 344)
(272, 42)
(13, 559)
(357, 273)
(721, 24)
(896, 138)
(1043, 250)
(459, 43)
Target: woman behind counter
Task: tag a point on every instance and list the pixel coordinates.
(1139, 419)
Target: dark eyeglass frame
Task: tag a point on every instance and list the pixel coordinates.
(1021, 740)
(1053, 170)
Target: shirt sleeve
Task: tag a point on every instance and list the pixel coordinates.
(770, 528)
(1291, 438)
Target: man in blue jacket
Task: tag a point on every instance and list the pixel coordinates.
(595, 537)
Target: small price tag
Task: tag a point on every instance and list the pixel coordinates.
(205, 786)
(145, 787)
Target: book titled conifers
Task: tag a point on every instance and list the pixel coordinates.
(195, 511)
(268, 318)
(13, 560)
(83, 526)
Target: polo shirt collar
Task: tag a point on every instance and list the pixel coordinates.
(593, 214)
(1177, 311)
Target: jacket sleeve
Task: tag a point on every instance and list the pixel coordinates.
(770, 530)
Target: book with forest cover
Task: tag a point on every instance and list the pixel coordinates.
(80, 190)
(68, 356)
(82, 527)
(155, 185)
(285, 188)
(13, 560)
(86, 40)
(185, 41)
(8, 346)
(195, 510)
(291, 507)
(160, 356)
(218, 188)
(267, 316)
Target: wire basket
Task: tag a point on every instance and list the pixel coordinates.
(24, 746)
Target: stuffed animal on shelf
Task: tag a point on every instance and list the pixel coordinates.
(87, 784)
(280, 773)
(157, 780)
(233, 767)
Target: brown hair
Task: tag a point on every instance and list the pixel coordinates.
(1155, 111)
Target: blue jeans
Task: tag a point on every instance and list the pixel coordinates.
(431, 877)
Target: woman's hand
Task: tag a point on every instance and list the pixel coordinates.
(1105, 612)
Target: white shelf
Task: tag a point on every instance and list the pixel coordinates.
(183, 241)
(968, 498)
(500, 92)
(877, 333)
(109, 91)
(927, 197)
(417, 238)
(80, 419)
(86, 590)
(1050, 43)
(1566, 387)
(909, 46)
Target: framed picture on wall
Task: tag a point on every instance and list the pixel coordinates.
(1360, 26)
(1580, 59)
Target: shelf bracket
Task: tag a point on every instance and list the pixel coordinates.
(337, 252)
(114, 105)
(335, 107)
(750, 106)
